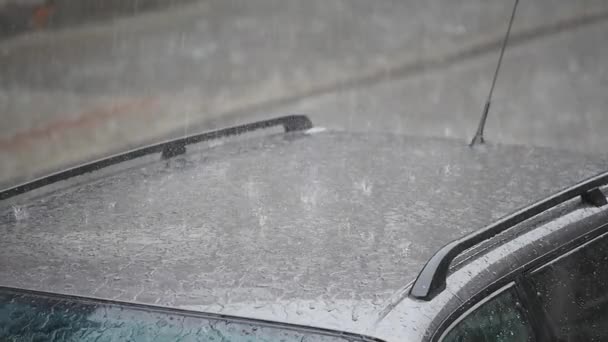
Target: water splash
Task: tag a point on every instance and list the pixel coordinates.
(20, 213)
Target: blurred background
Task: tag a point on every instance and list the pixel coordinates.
(81, 79)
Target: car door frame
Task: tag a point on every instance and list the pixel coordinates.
(517, 279)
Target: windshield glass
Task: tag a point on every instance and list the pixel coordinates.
(29, 316)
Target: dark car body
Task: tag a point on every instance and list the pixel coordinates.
(318, 228)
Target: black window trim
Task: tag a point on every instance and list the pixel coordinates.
(587, 239)
(542, 331)
(565, 249)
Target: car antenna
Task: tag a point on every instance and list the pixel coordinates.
(478, 138)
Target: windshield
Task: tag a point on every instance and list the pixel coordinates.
(296, 161)
(38, 316)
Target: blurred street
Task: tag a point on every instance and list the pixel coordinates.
(84, 79)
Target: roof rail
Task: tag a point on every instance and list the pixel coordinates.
(168, 149)
(432, 279)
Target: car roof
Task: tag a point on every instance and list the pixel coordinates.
(340, 221)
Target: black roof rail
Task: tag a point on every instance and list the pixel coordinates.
(432, 279)
(167, 149)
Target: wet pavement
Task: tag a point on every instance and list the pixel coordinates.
(24, 16)
(82, 87)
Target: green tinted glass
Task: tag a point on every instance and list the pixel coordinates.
(498, 320)
(41, 317)
(573, 292)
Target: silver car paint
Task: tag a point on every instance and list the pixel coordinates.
(324, 229)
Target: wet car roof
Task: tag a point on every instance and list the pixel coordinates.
(339, 221)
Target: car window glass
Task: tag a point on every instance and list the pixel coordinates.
(573, 292)
(501, 319)
(33, 317)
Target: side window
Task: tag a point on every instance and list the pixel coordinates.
(501, 319)
(573, 292)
